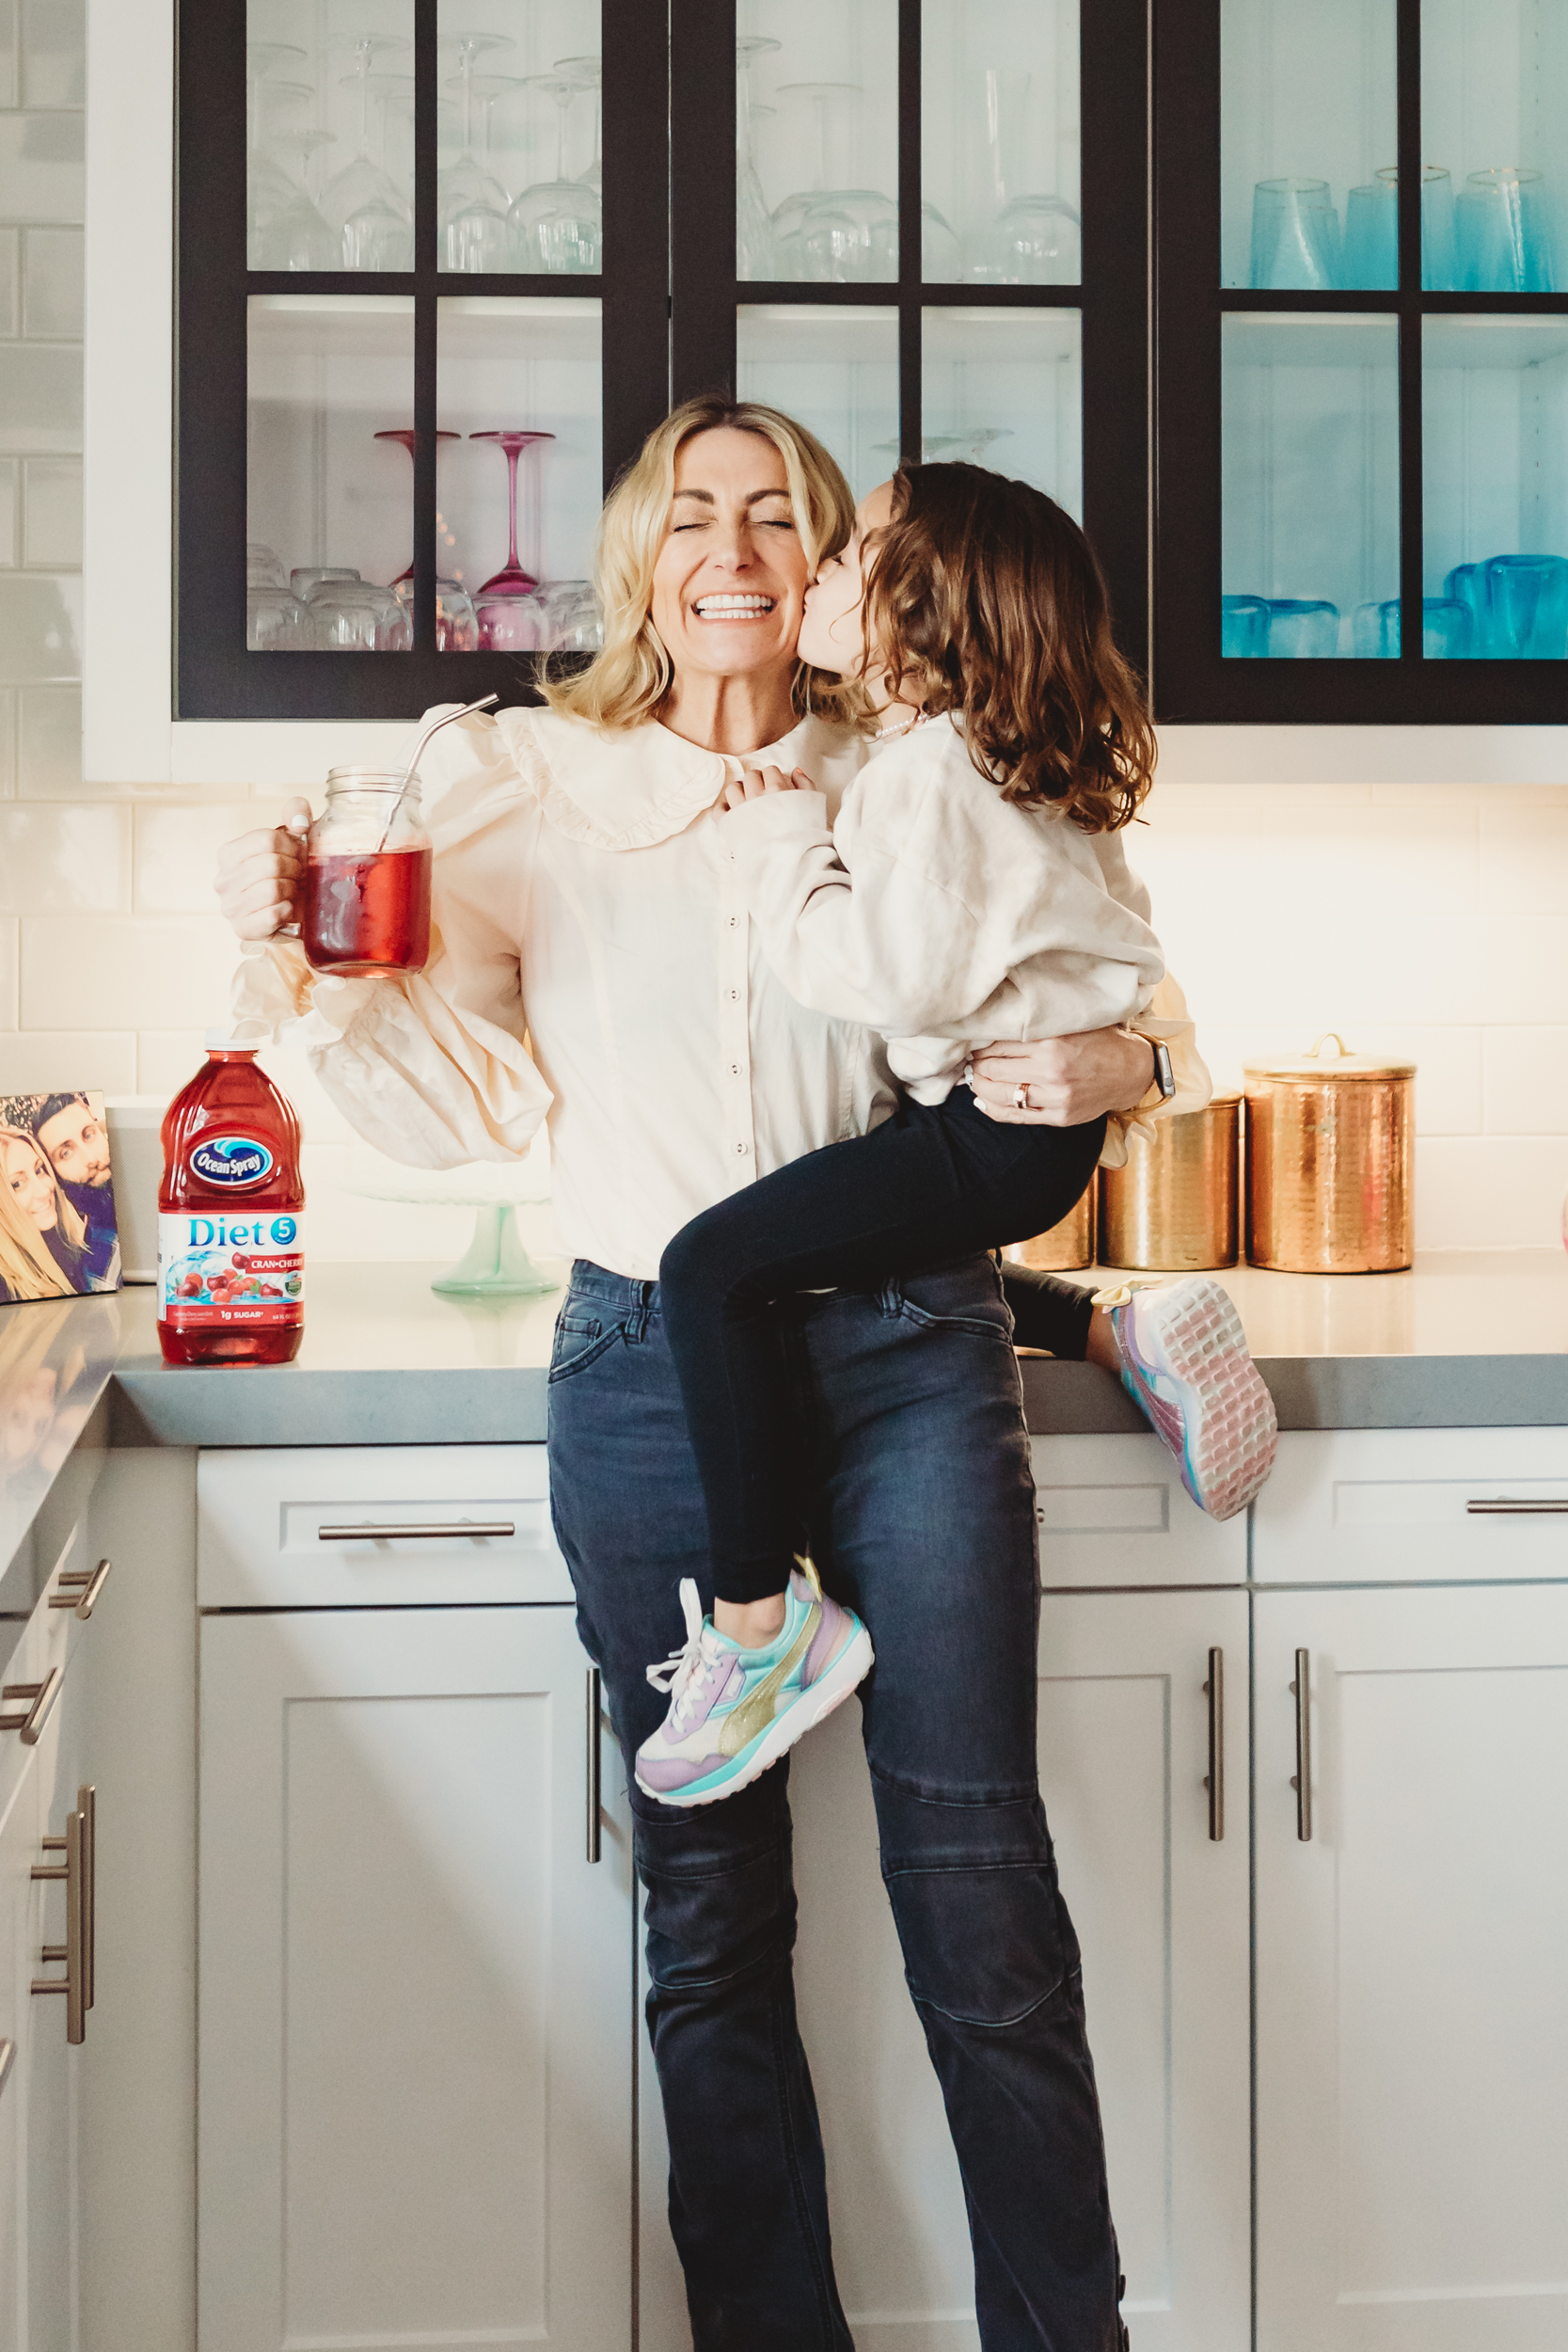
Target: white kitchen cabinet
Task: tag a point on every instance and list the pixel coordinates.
(1411, 2033)
(1112, 1511)
(416, 2016)
(50, 2065)
(1161, 1914)
(1425, 1506)
(19, 1851)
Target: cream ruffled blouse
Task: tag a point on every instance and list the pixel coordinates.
(593, 965)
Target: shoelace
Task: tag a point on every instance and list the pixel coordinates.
(683, 1673)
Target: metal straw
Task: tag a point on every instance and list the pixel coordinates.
(436, 725)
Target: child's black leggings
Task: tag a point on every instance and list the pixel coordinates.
(929, 1185)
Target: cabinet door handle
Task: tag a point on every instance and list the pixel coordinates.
(1214, 1779)
(86, 1805)
(1301, 1779)
(592, 1712)
(30, 1721)
(1515, 1507)
(73, 1950)
(79, 1588)
(447, 1531)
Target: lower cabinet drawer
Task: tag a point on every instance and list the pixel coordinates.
(1113, 1511)
(1376, 1506)
(375, 1526)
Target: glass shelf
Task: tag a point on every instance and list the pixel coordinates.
(1307, 143)
(1309, 493)
(1495, 457)
(1005, 389)
(1001, 142)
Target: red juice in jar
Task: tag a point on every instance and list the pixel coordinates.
(361, 915)
(230, 1217)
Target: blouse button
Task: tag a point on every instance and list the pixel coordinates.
(733, 996)
(741, 1150)
(734, 922)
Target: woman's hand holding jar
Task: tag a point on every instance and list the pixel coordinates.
(259, 875)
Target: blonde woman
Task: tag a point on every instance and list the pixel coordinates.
(43, 1240)
(584, 896)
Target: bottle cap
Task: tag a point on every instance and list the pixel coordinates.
(223, 1041)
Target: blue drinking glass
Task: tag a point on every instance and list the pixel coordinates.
(1502, 234)
(1375, 630)
(1244, 628)
(1372, 234)
(1467, 585)
(1295, 234)
(1448, 630)
(1437, 256)
(1527, 599)
(1302, 628)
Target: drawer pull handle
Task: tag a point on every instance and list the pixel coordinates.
(30, 1721)
(78, 1919)
(1214, 1779)
(1301, 1779)
(1510, 1507)
(79, 1589)
(592, 1713)
(444, 1530)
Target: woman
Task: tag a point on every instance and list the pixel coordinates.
(42, 1241)
(583, 888)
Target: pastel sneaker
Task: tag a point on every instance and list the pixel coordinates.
(1185, 1365)
(735, 1711)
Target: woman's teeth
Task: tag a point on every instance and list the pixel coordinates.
(732, 608)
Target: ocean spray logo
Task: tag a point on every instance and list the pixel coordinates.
(236, 1160)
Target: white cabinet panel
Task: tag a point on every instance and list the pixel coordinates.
(1411, 2035)
(19, 1851)
(416, 1990)
(1113, 1511)
(261, 1512)
(1393, 1506)
(51, 2064)
(1161, 1915)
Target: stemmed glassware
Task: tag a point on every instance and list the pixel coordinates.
(754, 254)
(456, 629)
(558, 224)
(508, 607)
(1033, 239)
(588, 73)
(284, 230)
(835, 235)
(362, 203)
(472, 202)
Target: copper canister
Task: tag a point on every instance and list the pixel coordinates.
(1330, 1142)
(1066, 1248)
(1174, 1205)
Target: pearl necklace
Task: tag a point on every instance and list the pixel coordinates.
(885, 735)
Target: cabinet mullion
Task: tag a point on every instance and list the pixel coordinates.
(910, 435)
(703, 288)
(1412, 565)
(426, 98)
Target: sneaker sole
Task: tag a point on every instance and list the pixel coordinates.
(1229, 1430)
(849, 1668)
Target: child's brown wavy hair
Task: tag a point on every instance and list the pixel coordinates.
(984, 598)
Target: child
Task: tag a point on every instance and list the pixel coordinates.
(973, 887)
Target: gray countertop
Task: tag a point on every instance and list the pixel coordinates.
(1464, 1339)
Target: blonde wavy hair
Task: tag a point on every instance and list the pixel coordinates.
(626, 683)
(27, 1267)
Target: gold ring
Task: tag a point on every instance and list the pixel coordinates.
(1020, 1096)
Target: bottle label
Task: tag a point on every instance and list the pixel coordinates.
(238, 1162)
(214, 1268)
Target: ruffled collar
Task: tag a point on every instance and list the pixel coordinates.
(631, 789)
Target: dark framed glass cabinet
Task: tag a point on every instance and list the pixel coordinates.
(443, 263)
(1361, 491)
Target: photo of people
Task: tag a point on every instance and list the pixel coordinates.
(58, 1229)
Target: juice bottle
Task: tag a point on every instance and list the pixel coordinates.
(230, 1217)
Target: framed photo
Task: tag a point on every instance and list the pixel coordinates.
(59, 1235)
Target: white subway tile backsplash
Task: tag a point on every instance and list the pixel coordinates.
(56, 858)
(165, 1059)
(1448, 1064)
(11, 505)
(40, 395)
(1524, 861)
(52, 535)
(1490, 1192)
(8, 741)
(52, 284)
(156, 974)
(45, 1061)
(10, 61)
(10, 281)
(40, 627)
(54, 53)
(177, 852)
(9, 934)
(49, 742)
(1526, 1080)
(1521, 970)
(43, 167)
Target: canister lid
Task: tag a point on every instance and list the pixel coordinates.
(1328, 1059)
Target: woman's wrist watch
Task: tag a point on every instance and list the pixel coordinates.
(1164, 1074)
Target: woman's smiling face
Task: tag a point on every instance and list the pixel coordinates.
(32, 1182)
(731, 576)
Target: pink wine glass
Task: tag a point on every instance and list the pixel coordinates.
(406, 435)
(511, 579)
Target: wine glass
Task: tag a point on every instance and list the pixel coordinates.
(284, 230)
(407, 437)
(1033, 238)
(588, 73)
(558, 224)
(472, 202)
(362, 202)
(505, 626)
(835, 235)
(754, 254)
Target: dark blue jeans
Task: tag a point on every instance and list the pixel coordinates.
(919, 1509)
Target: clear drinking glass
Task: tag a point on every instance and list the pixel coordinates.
(307, 575)
(1307, 100)
(1371, 253)
(365, 907)
(1310, 473)
(315, 126)
(472, 203)
(1244, 628)
(1494, 498)
(827, 233)
(277, 621)
(358, 616)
